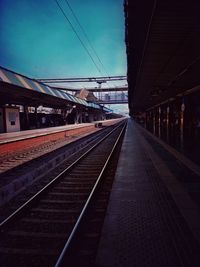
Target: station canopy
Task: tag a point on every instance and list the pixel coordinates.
(21, 90)
(163, 40)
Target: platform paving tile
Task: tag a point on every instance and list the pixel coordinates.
(143, 225)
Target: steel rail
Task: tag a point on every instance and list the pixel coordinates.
(28, 203)
(86, 206)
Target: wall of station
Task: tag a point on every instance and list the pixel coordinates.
(176, 121)
(17, 118)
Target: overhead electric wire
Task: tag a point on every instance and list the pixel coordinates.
(86, 36)
(89, 42)
(74, 30)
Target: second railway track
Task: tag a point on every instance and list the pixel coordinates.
(34, 174)
(36, 233)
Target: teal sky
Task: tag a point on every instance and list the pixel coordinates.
(36, 40)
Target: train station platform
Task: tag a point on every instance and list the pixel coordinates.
(6, 138)
(153, 216)
(16, 141)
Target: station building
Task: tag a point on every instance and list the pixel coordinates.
(26, 104)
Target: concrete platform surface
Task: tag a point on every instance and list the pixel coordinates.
(16, 136)
(153, 216)
(17, 141)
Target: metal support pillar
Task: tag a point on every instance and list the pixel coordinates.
(26, 118)
(154, 121)
(36, 118)
(159, 122)
(167, 122)
(182, 123)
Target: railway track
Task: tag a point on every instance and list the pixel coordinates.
(41, 169)
(17, 160)
(42, 231)
(62, 158)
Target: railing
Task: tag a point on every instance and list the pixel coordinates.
(112, 98)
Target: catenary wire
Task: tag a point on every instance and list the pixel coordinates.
(86, 36)
(74, 30)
